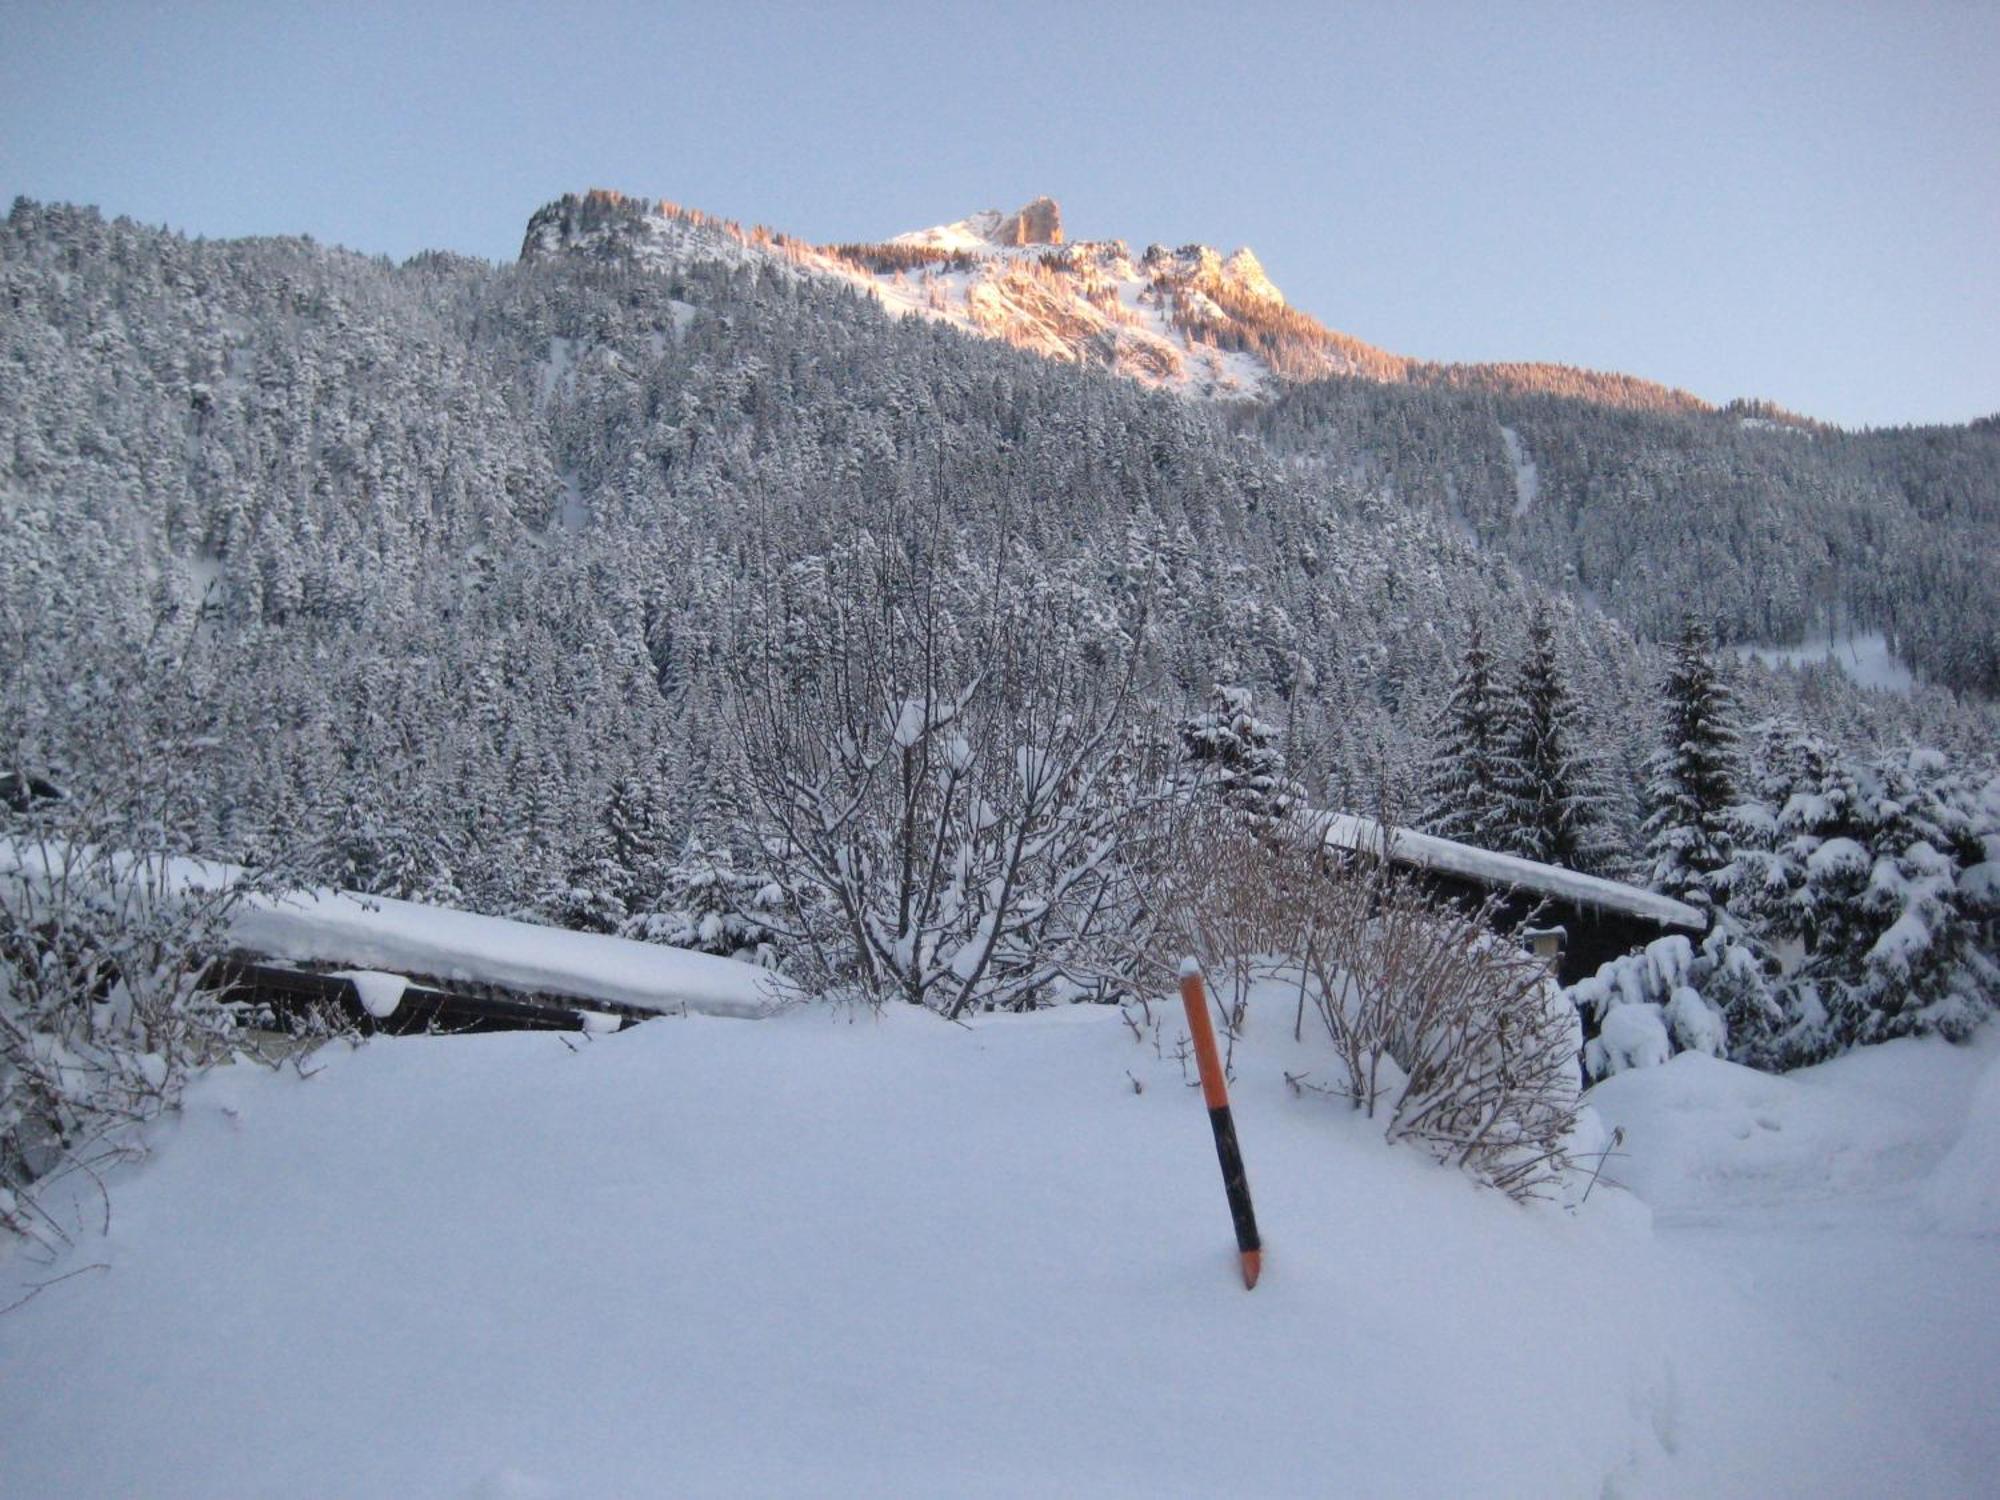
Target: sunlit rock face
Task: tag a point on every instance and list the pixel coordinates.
(1037, 223)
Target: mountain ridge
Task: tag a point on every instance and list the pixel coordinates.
(1186, 318)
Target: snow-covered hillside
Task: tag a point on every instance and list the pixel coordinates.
(838, 1253)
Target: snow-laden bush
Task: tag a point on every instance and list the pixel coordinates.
(1676, 996)
(1645, 1009)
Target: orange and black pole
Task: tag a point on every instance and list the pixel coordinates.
(1215, 1093)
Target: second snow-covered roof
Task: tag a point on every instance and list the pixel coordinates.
(1499, 871)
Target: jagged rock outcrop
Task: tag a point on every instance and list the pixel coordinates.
(1036, 223)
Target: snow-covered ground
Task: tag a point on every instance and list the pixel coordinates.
(1858, 1202)
(831, 1253)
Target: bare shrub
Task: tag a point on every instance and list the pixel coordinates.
(1453, 1034)
(1232, 891)
(103, 1012)
(1442, 1028)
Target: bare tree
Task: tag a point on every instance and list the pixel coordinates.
(954, 805)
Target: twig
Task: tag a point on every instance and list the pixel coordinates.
(35, 1289)
(1617, 1140)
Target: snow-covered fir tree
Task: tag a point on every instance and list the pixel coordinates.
(1552, 797)
(1463, 792)
(1235, 756)
(1909, 964)
(708, 904)
(1691, 787)
(1876, 877)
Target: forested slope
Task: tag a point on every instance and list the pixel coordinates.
(1770, 527)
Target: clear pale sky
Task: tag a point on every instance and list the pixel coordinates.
(1785, 200)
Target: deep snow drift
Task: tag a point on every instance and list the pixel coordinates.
(831, 1253)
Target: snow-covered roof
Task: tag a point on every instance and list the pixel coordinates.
(1488, 867)
(327, 926)
(441, 942)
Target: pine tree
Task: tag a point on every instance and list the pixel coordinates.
(1235, 756)
(1801, 796)
(1462, 783)
(1551, 796)
(711, 905)
(1691, 785)
(636, 832)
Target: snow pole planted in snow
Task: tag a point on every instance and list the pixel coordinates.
(1215, 1093)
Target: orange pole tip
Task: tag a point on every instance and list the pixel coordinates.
(1253, 1266)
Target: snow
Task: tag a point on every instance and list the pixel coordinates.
(837, 1253)
(381, 994)
(1863, 655)
(1634, 1036)
(1527, 478)
(437, 942)
(1695, 1027)
(573, 514)
(1835, 858)
(1855, 1202)
(963, 235)
(1129, 325)
(1964, 1193)
(1509, 871)
(555, 374)
(911, 724)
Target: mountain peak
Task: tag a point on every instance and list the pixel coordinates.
(1034, 223)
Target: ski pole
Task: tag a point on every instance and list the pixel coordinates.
(1215, 1093)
